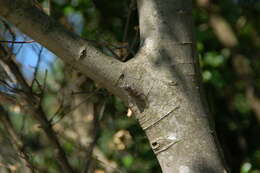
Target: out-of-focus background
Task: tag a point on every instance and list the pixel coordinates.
(83, 114)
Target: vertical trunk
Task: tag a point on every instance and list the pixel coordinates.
(167, 98)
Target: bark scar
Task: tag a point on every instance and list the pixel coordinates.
(83, 54)
(157, 121)
(160, 144)
(138, 98)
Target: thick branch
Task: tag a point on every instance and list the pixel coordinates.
(69, 47)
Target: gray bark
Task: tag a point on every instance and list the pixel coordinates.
(160, 84)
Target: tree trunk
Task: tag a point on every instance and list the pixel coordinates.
(160, 84)
(175, 119)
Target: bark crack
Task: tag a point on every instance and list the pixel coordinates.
(137, 97)
(145, 127)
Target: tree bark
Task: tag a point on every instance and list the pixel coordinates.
(160, 84)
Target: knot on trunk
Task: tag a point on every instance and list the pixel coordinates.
(160, 144)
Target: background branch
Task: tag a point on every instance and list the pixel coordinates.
(16, 141)
(66, 45)
(35, 108)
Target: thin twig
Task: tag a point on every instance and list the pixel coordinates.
(98, 113)
(44, 84)
(16, 42)
(37, 110)
(113, 53)
(16, 140)
(37, 66)
(129, 13)
(130, 49)
(7, 26)
(63, 114)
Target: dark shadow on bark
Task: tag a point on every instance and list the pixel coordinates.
(187, 84)
(203, 167)
(177, 70)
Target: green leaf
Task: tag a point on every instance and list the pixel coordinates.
(241, 103)
(246, 167)
(128, 161)
(214, 59)
(68, 10)
(206, 75)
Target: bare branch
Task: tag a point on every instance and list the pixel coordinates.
(129, 13)
(16, 141)
(37, 66)
(98, 113)
(35, 108)
(16, 42)
(66, 45)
